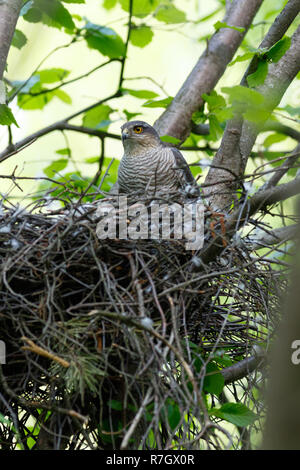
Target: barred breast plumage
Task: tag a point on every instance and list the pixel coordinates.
(151, 172)
(149, 166)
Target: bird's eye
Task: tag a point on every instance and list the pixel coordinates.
(138, 129)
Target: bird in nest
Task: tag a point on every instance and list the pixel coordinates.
(151, 167)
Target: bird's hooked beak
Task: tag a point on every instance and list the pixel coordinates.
(125, 135)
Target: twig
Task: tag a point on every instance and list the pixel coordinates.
(43, 352)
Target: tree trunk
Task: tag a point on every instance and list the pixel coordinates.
(9, 14)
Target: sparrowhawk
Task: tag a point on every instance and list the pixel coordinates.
(151, 167)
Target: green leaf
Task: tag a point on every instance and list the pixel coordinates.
(73, 1)
(129, 115)
(224, 114)
(195, 170)
(6, 116)
(142, 94)
(243, 95)
(213, 381)
(105, 40)
(248, 102)
(242, 58)
(5, 420)
(219, 24)
(274, 139)
(98, 117)
(174, 415)
(65, 151)
(141, 8)
(141, 36)
(198, 117)
(63, 96)
(279, 49)
(31, 102)
(170, 139)
(33, 15)
(170, 14)
(34, 102)
(214, 101)
(19, 39)
(115, 405)
(92, 159)
(25, 86)
(56, 12)
(109, 4)
(164, 103)
(256, 114)
(215, 129)
(56, 166)
(258, 77)
(292, 110)
(52, 75)
(235, 413)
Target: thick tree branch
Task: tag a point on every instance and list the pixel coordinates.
(176, 120)
(243, 368)
(260, 201)
(282, 129)
(271, 125)
(273, 237)
(9, 14)
(240, 136)
(276, 32)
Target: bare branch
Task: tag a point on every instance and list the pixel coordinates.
(282, 169)
(273, 237)
(282, 129)
(243, 368)
(260, 201)
(59, 126)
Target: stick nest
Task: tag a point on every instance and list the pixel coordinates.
(119, 343)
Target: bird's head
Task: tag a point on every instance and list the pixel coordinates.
(138, 137)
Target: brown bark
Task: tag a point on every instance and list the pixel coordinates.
(239, 137)
(176, 120)
(9, 13)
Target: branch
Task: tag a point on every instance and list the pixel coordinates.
(260, 201)
(9, 14)
(239, 136)
(60, 126)
(203, 129)
(282, 129)
(282, 169)
(273, 237)
(123, 61)
(276, 32)
(67, 82)
(63, 124)
(176, 120)
(243, 368)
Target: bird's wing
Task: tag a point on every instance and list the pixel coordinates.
(115, 188)
(184, 173)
